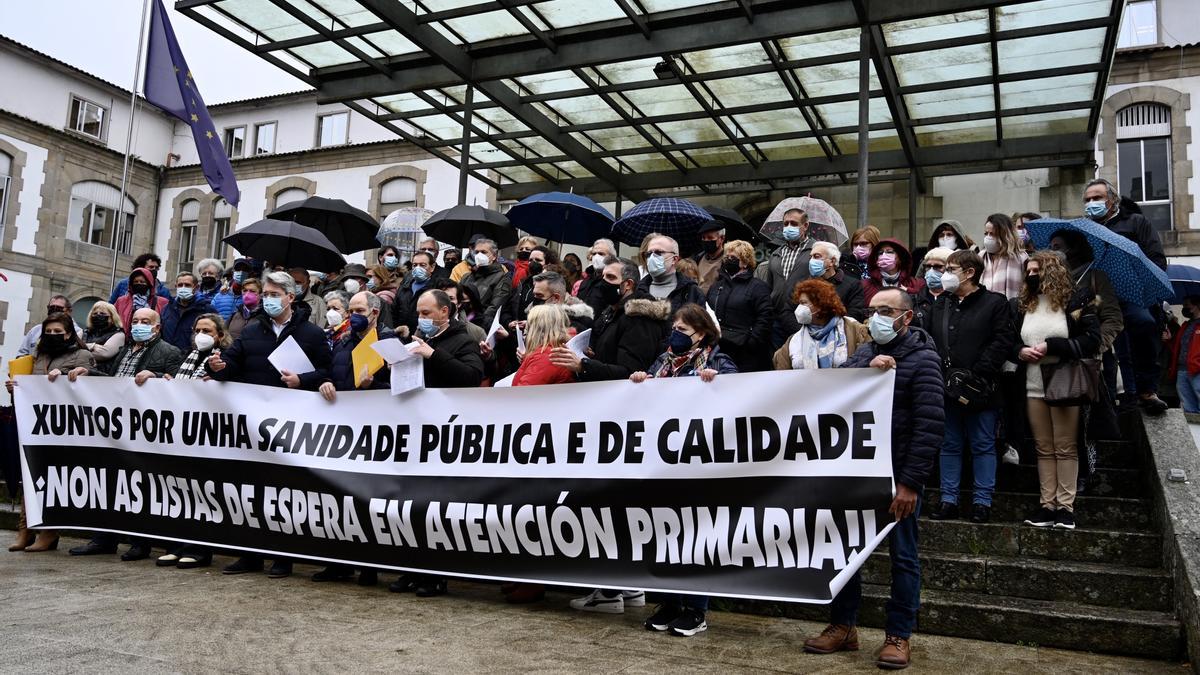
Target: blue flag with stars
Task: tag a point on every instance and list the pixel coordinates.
(170, 87)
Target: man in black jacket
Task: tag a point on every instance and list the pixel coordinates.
(247, 361)
(1137, 347)
(490, 280)
(404, 309)
(662, 281)
(973, 329)
(917, 419)
(451, 355)
(591, 287)
(627, 337)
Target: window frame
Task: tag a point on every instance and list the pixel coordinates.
(274, 137)
(1170, 178)
(1128, 16)
(321, 117)
(5, 185)
(188, 232)
(104, 112)
(225, 134)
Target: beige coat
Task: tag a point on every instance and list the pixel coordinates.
(856, 334)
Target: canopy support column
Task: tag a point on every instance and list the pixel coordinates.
(464, 160)
(864, 120)
(912, 208)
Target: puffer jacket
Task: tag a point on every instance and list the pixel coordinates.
(918, 403)
(341, 364)
(157, 356)
(178, 321)
(246, 359)
(537, 369)
(580, 313)
(685, 291)
(456, 361)
(743, 307)
(225, 301)
(627, 338)
(124, 304)
(492, 285)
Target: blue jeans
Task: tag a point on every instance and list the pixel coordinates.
(906, 583)
(697, 602)
(1189, 391)
(978, 429)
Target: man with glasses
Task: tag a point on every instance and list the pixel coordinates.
(974, 330)
(429, 246)
(788, 264)
(424, 272)
(58, 303)
(590, 288)
(932, 268)
(662, 281)
(917, 418)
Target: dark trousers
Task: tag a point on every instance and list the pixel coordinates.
(906, 583)
(1137, 350)
(111, 539)
(697, 602)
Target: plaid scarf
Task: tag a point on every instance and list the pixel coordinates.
(193, 365)
(696, 358)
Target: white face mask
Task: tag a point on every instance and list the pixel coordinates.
(990, 244)
(482, 259)
(950, 282)
(948, 241)
(597, 262)
(803, 315)
(204, 341)
(333, 317)
(352, 286)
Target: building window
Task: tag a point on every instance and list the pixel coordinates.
(396, 194)
(1144, 160)
(189, 224)
(92, 216)
(332, 128)
(1139, 27)
(264, 138)
(87, 117)
(285, 197)
(235, 141)
(222, 217)
(5, 179)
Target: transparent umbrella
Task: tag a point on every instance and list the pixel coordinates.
(829, 224)
(402, 229)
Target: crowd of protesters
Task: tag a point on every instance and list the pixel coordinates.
(975, 332)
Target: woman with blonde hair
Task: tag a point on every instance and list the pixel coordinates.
(104, 335)
(383, 283)
(525, 246)
(862, 242)
(1003, 257)
(547, 327)
(1058, 324)
(743, 307)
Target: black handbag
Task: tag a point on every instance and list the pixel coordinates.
(1072, 383)
(963, 387)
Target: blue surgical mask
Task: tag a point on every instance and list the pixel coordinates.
(370, 284)
(391, 262)
(141, 332)
(883, 329)
(1095, 209)
(359, 323)
(273, 306)
(933, 279)
(680, 342)
(791, 233)
(426, 326)
(656, 265)
(419, 274)
(239, 277)
(184, 293)
(816, 267)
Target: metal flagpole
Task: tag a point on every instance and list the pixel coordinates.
(119, 226)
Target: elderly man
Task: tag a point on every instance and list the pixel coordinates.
(430, 246)
(489, 280)
(590, 288)
(662, 281)
(711, 255)
(145, 356)
(824, 263)
(315, 304)
(208, 278)
(247, 361)
(1137, 347)
(180, 314)
(788, 264)
(917, 419)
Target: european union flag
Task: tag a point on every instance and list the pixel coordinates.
(170, 87)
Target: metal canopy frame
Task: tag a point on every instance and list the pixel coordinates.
(684, 97)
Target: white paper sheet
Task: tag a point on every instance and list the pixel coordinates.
(506, 382)
(491, 335)
(394, 351)
(290, 357)
(520, 339)
(580, 343)
(408, 375)
(713, 314)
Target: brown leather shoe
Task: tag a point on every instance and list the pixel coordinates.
(835, 638)
(24, 535)
(895, 655)
(47, 540)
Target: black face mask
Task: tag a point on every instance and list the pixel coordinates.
(139, 289)
(1034, 283)
(101, 322)
(535, 268)
(536, 302)
(1187, 312)
(208, 282)
(709, 246)
(731, 266)
(522, 255)
(53, 344)
(610, 294)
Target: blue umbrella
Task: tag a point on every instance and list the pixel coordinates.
(561, 216)
(1136, 280)
(1185, 280)
(675, 218)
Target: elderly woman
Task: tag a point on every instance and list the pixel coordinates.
(251, 289)
(827, 337)
(743, 307)
(337, 315)
(104, 335)
(525, 246)
(59, 350)
(208, 277)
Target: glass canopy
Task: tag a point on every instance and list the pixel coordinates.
(643, 97)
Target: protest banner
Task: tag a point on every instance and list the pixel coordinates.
(759, 485)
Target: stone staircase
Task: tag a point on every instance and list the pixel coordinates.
(1098, 588)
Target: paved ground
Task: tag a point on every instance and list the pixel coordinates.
(99, 615)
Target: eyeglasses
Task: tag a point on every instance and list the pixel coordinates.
(885, 311)
(935, 266)
(660, 253)
(953, 269)
(55, 308)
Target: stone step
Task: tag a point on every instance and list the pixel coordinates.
(1105, 482)
(1064, 581)
(1118, 454)
(1136, 549)
(1116, 513)
(1044, 623)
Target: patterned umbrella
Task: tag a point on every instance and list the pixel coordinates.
(1136, 280)
(1185, 280)
(832, 225)
(675, 218)
(563, 217)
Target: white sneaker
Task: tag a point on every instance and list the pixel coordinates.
(1011, 456)
(597, 602)
(634, 598)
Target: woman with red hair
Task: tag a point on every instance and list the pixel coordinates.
(827, 337)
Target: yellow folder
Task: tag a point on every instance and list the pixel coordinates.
(363, 355)
(22, 365)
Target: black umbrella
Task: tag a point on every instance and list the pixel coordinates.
(456, 224)
(351, 230)
(287, 243)
(735, 227)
